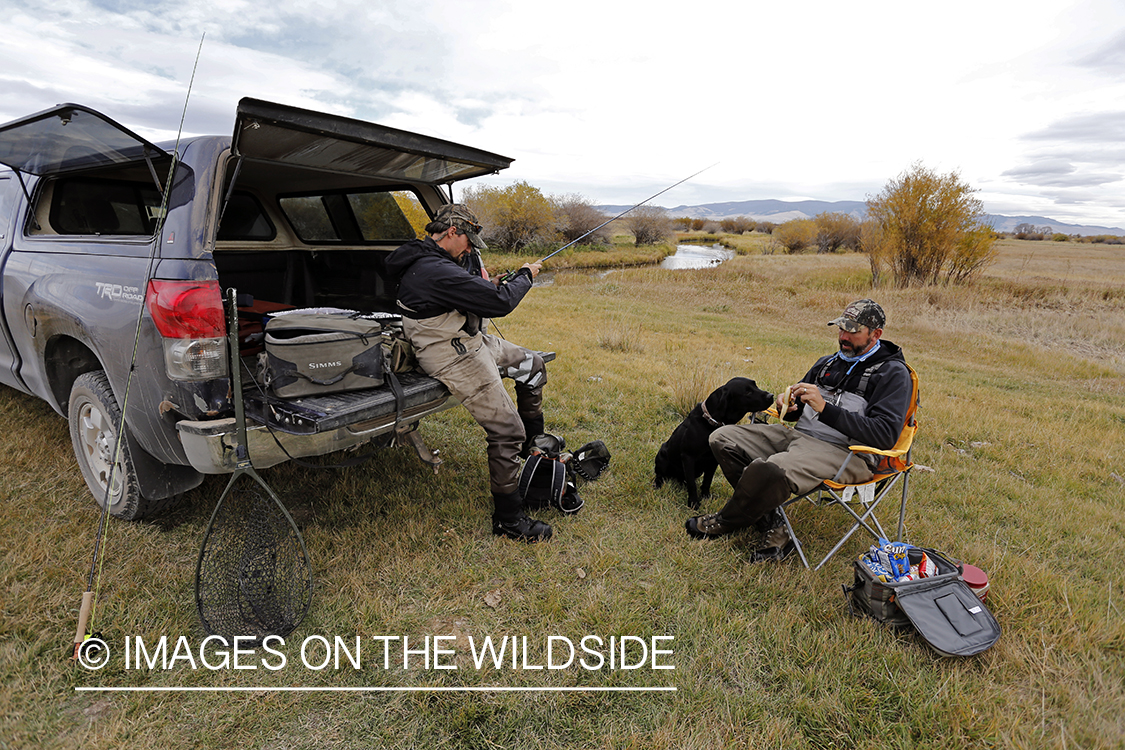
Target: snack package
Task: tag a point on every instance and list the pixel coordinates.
(900, 562)
(927, 567)
(893, 557)
(878, 571)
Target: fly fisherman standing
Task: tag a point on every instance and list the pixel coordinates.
(443, 302)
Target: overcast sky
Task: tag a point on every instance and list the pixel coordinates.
(615, 100)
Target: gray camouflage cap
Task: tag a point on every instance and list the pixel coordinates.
(862, 312)
(458, 215)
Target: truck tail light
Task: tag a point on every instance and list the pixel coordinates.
(189, 316)
(186, 309)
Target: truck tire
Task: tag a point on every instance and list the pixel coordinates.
(94, 416)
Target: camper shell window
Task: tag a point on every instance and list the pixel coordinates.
(349, 217)
(86, 205)
(244, 219)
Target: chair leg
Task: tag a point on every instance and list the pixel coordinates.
(841, 543)
(792, 535)
(879, 526)
(902, 508)
(864, 521)
(868, 510)
(859, 521)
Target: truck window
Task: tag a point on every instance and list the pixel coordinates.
(348, 217)
(243, 219)
(84, 205)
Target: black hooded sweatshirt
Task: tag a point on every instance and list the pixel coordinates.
(431, 283)
(887, 392)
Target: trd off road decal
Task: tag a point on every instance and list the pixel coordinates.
(117, 292)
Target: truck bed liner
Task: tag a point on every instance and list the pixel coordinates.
(314, 414)
(311, 415)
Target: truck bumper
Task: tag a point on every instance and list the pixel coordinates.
(210, 444)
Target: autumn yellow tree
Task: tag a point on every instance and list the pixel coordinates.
(926, 227)
(737, 224)
(413, 212)
(795, 235)
(514, 216)
(834, 231)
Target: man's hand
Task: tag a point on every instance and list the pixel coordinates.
(533, 267)
(810, 396)
(784, 403)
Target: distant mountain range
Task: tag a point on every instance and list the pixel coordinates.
(781, 211)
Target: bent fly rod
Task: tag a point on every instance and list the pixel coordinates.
(511, 274)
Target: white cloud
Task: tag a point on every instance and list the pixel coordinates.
(612, 100)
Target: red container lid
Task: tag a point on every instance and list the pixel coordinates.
(976, 578)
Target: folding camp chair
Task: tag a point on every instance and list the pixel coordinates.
(893, 466)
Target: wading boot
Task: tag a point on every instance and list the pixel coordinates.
(770, 521)
(776, 546)
(760, 490)
(708, 527)
(529, 405)
(508, 519)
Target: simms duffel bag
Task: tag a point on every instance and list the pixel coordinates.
(314, 351)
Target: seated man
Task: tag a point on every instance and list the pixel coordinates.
(857, 396)
(444, 299)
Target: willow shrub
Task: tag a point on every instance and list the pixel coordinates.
(925, 228)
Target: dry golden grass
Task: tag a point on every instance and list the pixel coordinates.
(752, 243)
(1023, 426)
(618, 336)
(1067, 263)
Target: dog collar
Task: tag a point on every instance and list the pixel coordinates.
(706, 415)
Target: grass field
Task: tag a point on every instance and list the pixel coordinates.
(1022, 435)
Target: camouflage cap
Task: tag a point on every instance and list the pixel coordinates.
(458, 215)
(862, 312)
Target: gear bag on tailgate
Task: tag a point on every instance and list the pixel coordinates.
(314, 351)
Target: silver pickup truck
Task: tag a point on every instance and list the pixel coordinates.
(109, 287)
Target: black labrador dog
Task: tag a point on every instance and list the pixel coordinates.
(686, 454)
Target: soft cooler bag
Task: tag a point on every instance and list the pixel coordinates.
(942, 607)
(315, 351)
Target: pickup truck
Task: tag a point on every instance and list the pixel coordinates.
(111, 291)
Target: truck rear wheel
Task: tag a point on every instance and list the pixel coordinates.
(94, 417)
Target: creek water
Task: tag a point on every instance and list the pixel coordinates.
(686, 257)
(696, 256)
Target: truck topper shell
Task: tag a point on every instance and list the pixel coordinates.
(101, 228)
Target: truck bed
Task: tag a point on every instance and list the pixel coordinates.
(311, 415)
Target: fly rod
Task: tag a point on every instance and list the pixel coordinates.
(83, 633)
(511, 274)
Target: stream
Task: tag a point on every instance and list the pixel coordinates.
(697, 256)
(686, 257)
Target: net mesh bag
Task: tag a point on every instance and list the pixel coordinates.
(253, 578)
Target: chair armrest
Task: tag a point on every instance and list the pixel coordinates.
(892, 453)
(900, 448)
